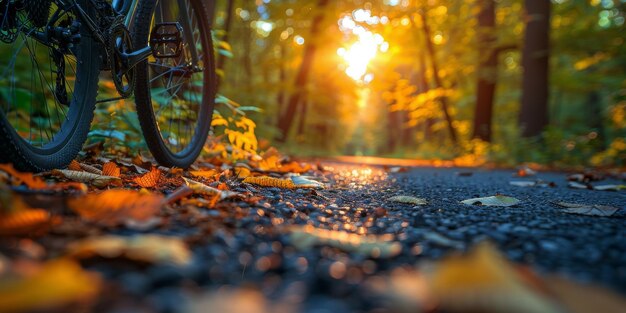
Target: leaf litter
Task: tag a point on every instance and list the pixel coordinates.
(499, 200)
(588, 209)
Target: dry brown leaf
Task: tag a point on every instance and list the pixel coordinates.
(116, 207)
(483, 281)
(150, 179)
(200, 188)
(54, 284)
(88, 178)
(144, 248)
(374, 246)
(111, 169)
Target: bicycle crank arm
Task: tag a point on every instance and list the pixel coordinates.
(132, 59)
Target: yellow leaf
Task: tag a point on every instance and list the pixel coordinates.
(375, 246)
(267, 181)
(55, 284)
(145, 248)
(483, 281)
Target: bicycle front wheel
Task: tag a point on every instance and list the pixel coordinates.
(176, 86)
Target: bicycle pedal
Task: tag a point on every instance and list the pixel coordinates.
(166, 40)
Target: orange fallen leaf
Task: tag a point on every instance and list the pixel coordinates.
(74, 166)
(111, 169)
(25, 222)
(208, 174)
(266, 181)
(149, 179)
(54, 284)
(116, 207)
(27, 179)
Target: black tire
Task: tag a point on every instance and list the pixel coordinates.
(64, 140)
(162, 148)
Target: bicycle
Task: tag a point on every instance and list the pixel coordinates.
(160, 51)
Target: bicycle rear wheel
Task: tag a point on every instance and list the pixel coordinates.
(47, 88)
(175, 88)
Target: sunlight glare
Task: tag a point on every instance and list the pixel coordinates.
(361, 53)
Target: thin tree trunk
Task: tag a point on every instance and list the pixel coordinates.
(230, 13)
(435, 67)
(533, 116)
(487, 71)
(284, 125)
(211, 9)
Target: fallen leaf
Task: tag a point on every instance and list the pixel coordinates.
(579, 298)
(536, 183)
(117, 207)
(77, 166)
(144, 248)
(576, 185)
(27, 179)
(267, 181)
(25, 222)
(304, 182)
(587, 209)
(610, 187)
(306, 237)
(111, 169)
(208, 174)
(201, 188)
(408, 200)
(54, 284)
(498, 200)
(484, 281)
(150, 179)
(88, 178)
(242, 172)
(585, 177)
(525, 172)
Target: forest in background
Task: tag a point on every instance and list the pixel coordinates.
(432, 79)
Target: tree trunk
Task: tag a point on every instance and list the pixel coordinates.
(487, 70)
(230, 13)
(533, 116)
(438, 84)
(211, 9)
(284, 125)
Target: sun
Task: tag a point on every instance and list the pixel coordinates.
(359, 55)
